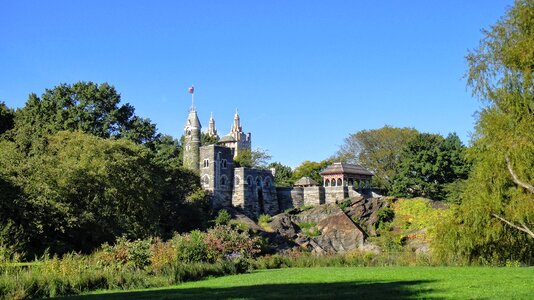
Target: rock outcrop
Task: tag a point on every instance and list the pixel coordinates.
(329, 230)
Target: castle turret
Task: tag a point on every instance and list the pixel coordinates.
(191, 145)
(236, 139)
(211, 128)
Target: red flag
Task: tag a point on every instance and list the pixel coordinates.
(191, 90)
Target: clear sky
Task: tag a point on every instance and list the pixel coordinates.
(304, 74)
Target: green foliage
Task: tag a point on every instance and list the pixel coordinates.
(223, 217)
(500, 74)
(83, 106)
(310, 169)
(428, 164)
(283, 175)
(263, 218)
(385, 215)
(345, 204)
(206, 139)
(309, 229)
(257, 158)
(7, 118)
(377, 150)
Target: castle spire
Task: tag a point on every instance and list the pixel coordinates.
(236, 127)
(212, 131)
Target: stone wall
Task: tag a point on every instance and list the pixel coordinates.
(290, 197)
(314, 195)
(335, 193)
(255, 192)
(217, 173)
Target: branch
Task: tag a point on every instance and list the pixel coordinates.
(516, 179)
(523, 227)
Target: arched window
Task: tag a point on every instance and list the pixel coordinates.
(206, 163)
(267, 182)
(339, 182)
(249, 180)
(223, 180)
(327, 182)
(237, 180)
(223, 163)
(205, 180)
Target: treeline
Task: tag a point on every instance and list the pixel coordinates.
(79, 169)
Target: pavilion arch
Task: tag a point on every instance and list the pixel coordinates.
(339, 182)
(327, 182)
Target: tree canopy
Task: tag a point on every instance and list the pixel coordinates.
(83, 106)
(283, 174)
(257, 158)
(491, 223)
(378, 150)
(431, 167)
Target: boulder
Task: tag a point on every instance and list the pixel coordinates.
(338, 234)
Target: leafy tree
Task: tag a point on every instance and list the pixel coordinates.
(7, 118)
(206, 139)
(378, 150)
(496, 217)
(83, 106)
(167, 152)
(257, 158)
(428, 164)
(310, 169)
(283, 174)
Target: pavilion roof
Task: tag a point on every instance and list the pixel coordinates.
(343, 168)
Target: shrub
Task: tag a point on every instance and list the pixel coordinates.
(223, 217)
(192, 247)
(309, 229)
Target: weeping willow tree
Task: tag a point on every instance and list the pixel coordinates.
(495, 221)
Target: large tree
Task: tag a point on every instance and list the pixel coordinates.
(310, 169)
(283, 174)
(84, 106)
(496, 217)
(7, 118)
(431, 166)
(378, 150)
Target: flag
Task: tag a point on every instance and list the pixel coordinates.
(191, 90)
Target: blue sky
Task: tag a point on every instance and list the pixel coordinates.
(304, 74)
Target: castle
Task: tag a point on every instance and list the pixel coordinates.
(253, 190)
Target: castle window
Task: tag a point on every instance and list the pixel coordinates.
(237, 180)
(267, 182)
(205, 180)
(223, 180)
(223, 163)
(206, 163)
(249, 181)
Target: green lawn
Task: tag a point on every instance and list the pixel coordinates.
(350, 283)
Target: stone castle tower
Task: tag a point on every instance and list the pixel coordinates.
(192, 129)
(211, 128)
(237, 140)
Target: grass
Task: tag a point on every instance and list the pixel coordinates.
(350, 283)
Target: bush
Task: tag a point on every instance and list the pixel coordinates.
(223, 217)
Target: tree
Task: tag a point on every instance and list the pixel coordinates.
(257, 158)
(206, 139)
(496, 206)
(7, 118)
(378, 150)
(429, 165)
(83, 106)
(283, 174)
(310, 169)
